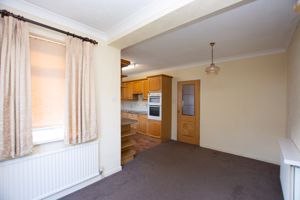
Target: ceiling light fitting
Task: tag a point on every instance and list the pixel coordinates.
(212, 69)
(131, 66)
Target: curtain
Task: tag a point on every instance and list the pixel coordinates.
(80, 123)
(15, 89)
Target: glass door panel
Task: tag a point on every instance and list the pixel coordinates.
(188, 99)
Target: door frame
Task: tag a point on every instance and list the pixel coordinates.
(197, 107)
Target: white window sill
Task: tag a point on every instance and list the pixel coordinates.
(47, 135)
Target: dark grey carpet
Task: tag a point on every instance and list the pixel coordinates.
(180, 171)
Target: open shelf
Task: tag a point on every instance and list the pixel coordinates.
(127, 156)
(127, 134)
(127, 144)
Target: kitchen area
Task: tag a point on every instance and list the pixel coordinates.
(145, 114)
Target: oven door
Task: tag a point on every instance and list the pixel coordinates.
(154, 112)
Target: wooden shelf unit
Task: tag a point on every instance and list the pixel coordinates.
(127, 144)
(127, 156)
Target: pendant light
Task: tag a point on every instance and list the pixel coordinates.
(212, 69)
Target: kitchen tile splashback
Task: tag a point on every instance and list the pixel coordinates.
(139, 105)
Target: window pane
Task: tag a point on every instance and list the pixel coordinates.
(188, 104)
(48, 83)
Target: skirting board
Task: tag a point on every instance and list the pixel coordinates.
(242, 155)
(107, 173)
(83, 184)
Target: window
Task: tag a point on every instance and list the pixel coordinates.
(48, 90)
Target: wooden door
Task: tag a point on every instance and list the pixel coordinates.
(188, 112)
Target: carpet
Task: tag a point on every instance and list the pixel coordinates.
(178, 171)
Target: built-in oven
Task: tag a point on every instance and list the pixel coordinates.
(154, 106)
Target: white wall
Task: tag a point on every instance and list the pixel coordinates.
(243, 108)
(294, 88)
(107, 80)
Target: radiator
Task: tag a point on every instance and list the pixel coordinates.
(289, 170)
(39, 176)
(297, 184)
(287, 180)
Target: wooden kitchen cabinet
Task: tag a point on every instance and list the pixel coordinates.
(129, 91)
(142, 124)
(138, 87)
(154, 83)
(154, 128)
(159, 83)
(124, 91)
(145, 89)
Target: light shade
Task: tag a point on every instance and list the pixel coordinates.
(212, 69)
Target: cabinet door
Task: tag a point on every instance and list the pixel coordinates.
(129, 91)
(154, 83)
(146, 89)
(143, 123)
(124, 91)
(137, 87)
(154, 128)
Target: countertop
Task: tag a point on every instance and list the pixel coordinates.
(126, 121)
(135, 112)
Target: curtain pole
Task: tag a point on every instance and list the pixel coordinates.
(6, 13)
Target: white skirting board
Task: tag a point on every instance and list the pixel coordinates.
(40, 176)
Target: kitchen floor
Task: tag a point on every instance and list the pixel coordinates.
(143, 142)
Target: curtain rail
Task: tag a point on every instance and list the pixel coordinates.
(6, 13)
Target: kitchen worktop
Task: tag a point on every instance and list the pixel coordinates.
(126, 121)
(135, 112)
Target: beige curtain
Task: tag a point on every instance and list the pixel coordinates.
(15, 89)
(80, 95)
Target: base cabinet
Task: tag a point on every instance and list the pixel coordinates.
(154, 128)
(142, 124)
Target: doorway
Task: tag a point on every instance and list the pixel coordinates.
(188, 111)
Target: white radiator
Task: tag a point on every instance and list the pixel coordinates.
(38, 176)
(297, 184)
(289, 170)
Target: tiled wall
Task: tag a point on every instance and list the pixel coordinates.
(137, 105)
